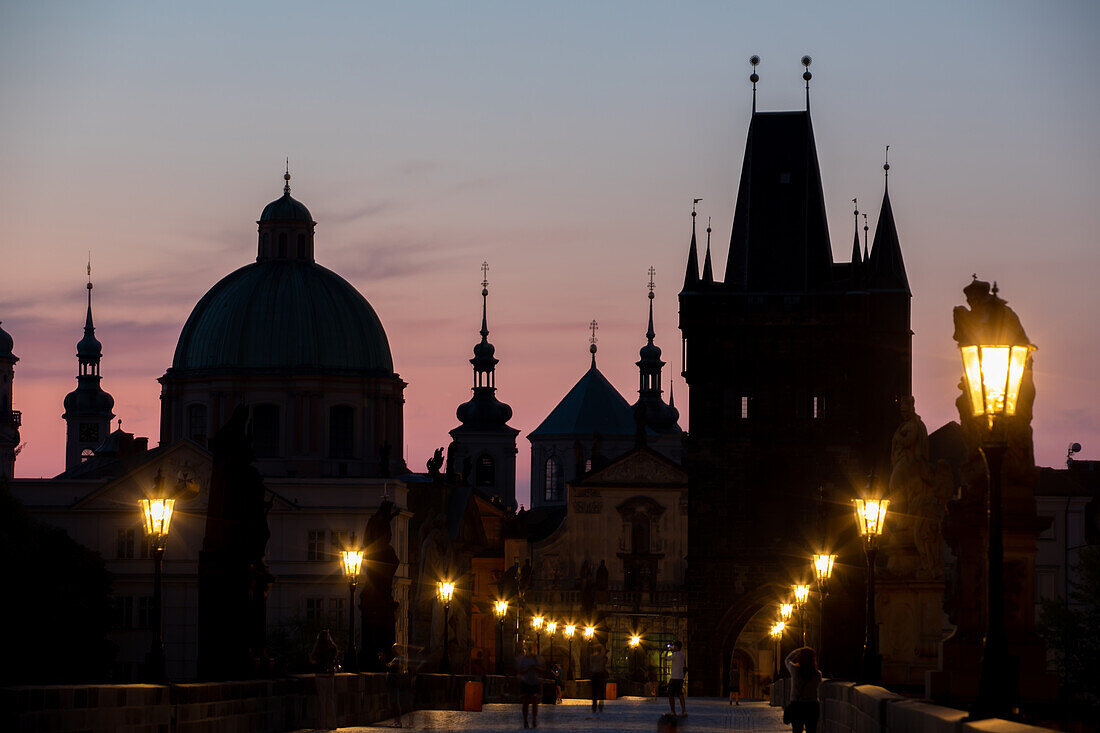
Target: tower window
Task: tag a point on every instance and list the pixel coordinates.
(89, 432)
(86, 454)
(744, 407)
(196, 423)
(341, 431)
(554, 480)
(818, 409)
(265, 247)
(282, 244)
(301, 246)
(265, 430)
(485, 471)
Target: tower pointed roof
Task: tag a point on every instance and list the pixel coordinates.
(659, 417)
(780, 237)
(856, 257)
(708, 270)
(691, 279)
(89, 347)
(592, 405)
(886, 266)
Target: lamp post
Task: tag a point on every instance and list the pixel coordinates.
(157, 517)
(570, 629)
(352, 562)
(589, 634)
(536, 624)
(786, 610)
(501, 608)
(446, 593)
(871, 514)
(776, 633)
(993, 373)
(635, 642)
(823, 570)
(551, 627)
(801, 595)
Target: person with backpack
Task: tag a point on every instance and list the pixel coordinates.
(802, 710)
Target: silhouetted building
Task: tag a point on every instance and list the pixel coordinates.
(9, 419)
(794, 365)
(483, 447)
(88, 409)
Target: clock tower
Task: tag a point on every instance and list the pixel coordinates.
(88, 409)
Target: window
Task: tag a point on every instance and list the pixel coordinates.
(639, 534)
(818, 409)
(315, 545)
(124, 549)
(341, 431)
(196, 423)
(282, 244)
(86, 454)
(265, 430)
(145, 613)
(315, 610)
(336, 612)
(784, 177)
(485, 472)
(301, 246)
(744, 407)
(122, 614)
(264, 246)
(553, 480)
(587, 465)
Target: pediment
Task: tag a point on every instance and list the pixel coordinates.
(640, 467)
(185, 465)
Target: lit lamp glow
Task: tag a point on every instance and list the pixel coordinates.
(569, 630)
(823, 571)
(156, 516)
(351, 562)
(551, 627)
(776, 633)
(446, 594)
(635, 640)
(537, 622)
(785, 611)
(501, 610)
(871, 515)
(823, 567)
(446, 591)
(993, 373)
(801, 595)
(589, 632)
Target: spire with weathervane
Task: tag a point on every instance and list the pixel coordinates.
(691, 279)
(885, 267)
(88, 409)
(658, 415)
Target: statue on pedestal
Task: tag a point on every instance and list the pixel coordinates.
(376, 605)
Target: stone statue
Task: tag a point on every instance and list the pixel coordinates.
(435, 565)
(233, 576)
(526, 576)
(376, 605)
(508, 585)
(435, 463)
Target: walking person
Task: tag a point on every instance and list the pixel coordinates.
(735, 680)
(678, 663)
(397, 679)
(802, 709)
(324, 657)
(598, 665)
(529, 670)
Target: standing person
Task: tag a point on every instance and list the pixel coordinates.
(559, 681)
(802, 710)
(529, 670)
(324, 656)
(735, 680)
(678, 662)
(397, 678)
(598, 665)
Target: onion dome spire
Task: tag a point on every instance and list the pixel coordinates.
(88, 349)
(484, 410)
(88, 409)
(657, 415)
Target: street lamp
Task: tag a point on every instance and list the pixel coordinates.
(570, 629)
(801, 595)
(551, 627)
(785, 611)
(157, 517)
(352, 564)
(776, 633)
(871, 514)
(589, 634)
(446, 593)
(993, 373)
(501, 609)
(536, 623)
(635, 642)
(823, 570)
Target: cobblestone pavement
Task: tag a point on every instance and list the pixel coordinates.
(626, 714)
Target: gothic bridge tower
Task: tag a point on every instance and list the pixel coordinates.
(795, 365)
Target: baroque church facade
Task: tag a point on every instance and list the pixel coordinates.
(302, 349)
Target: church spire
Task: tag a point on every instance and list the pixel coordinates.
(708, 271)
(691, 279)
(484, 361)
(886, 267)
(658, 416)
(88, 409)
(856, 258)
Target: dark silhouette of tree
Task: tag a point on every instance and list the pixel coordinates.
(60, 613)
(1070, 631)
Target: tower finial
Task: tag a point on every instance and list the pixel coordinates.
(865, 229)
(286, 177)
(694, 203)
(593, 327)
(89, 272)
(708, 270)
(650, 334)
(806, 61)
(855, 243)
(886, 165)
(484, 300)
(754, 77)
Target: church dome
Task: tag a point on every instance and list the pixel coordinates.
(286, 208)
(6, 345)
(282, 316)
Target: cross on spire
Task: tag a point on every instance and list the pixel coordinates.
(652, 272)
(484, 274)
(593, 327)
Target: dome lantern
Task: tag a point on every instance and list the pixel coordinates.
(285, 228)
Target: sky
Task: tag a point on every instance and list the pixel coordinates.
(561, 142)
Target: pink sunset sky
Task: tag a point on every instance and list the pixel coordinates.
(562, 143)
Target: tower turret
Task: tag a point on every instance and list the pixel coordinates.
(659, 417)
(886, 267)
(88, 409)
(285, 228)
(9, 419)
(483, 447)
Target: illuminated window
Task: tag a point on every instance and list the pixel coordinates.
(744, 407)
(86, 454)
(818, 407)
